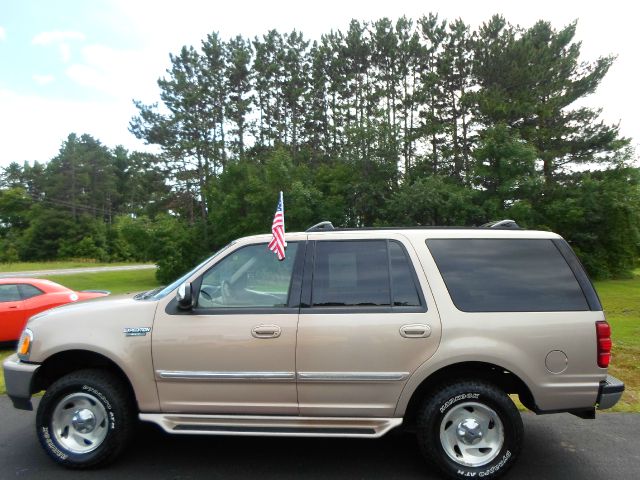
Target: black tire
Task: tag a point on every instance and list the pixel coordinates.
(469, 396)
(100, 390)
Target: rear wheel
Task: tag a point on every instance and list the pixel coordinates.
(470, 429)
(85, 419)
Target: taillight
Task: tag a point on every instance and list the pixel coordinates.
(603, 333)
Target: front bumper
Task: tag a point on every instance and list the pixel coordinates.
(610, 392)
(18, 378)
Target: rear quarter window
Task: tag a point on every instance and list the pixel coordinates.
(28, 291)
(507, 275)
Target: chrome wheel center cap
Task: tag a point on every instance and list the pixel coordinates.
(469, 431)
(83, 421)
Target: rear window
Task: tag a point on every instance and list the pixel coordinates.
(505, 275)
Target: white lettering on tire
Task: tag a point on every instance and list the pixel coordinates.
(497, 466)
(457, 398)
(487, 472)
(98, 394)
(56, 451)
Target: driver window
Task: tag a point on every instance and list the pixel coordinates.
(252, 276)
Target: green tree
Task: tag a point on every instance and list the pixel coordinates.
(431, 128)
(531, 80)
(184, 134)
(238, 59)
(599, 214)
(433, 200)
(504, 168)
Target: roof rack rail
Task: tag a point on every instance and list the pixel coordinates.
(321, 227)
(506, 223)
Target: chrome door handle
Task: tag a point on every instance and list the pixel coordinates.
(266, 331)
(415, 330)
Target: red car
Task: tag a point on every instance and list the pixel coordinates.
(20, 298)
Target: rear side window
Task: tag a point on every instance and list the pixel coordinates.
(504, 275)
(29, 291)
(369, 273)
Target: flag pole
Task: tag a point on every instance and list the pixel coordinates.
(283, 232)
(278, 244)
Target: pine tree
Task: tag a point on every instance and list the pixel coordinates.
(238, 58)
(530, 79)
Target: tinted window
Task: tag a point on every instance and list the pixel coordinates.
(252, 276)
(403, 284)
(9, 293)
(351, 273)
(498, 275)
(29, 291)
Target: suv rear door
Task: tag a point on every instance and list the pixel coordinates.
(367, 321)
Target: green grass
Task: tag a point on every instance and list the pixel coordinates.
(116, 282)
(621, 301)
(3, 354)
(620, 298)
(31, 266)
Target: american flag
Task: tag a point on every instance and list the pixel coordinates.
(277, 243)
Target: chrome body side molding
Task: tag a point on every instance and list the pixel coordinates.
(284, 376)
(352, 376)
(225, 376)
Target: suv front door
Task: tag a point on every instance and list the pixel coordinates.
(234, 352)
(367, 321)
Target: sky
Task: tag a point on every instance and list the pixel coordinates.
(76, 66)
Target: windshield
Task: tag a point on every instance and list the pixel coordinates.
(163, 292)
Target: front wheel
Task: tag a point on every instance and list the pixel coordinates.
(470, 429)
(85, 419)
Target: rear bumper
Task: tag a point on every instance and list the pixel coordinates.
(609, 392)
(18, 378)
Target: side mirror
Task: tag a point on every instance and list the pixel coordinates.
(185, 296)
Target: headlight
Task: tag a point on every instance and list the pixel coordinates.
(24, 344)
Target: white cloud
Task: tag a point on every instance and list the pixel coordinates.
(3, 33)
(52, 120)
(61, 39)
(122, 74)
(47, 38)
(43, 79)
(65, 52)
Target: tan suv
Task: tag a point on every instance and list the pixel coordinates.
(355, 333)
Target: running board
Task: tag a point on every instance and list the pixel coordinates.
(244, 425)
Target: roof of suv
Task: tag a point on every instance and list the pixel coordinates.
(418, 232)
